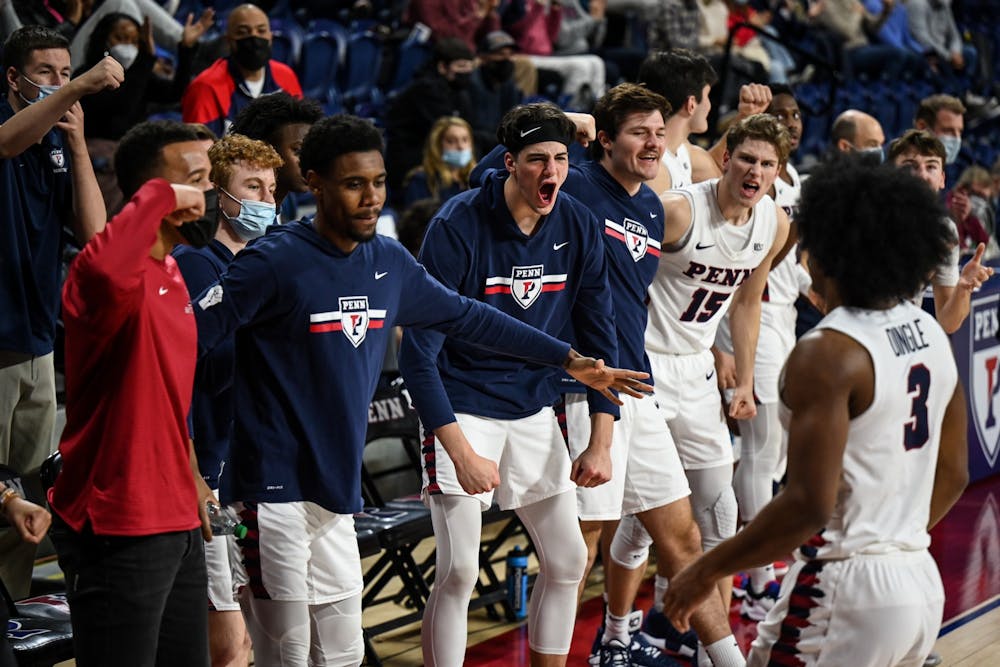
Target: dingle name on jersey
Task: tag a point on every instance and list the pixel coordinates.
(985, 324)
(906, 338)
(717, 275)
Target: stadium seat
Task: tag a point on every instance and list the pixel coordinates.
(410, 58)
(359, 79)
(323, 52)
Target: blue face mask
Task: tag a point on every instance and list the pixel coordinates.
(459, 159)
(254, 217)
(952, 145)
(43, 91)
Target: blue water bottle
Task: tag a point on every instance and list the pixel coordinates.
(517, 582)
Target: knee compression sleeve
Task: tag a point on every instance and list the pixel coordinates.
(337, 639)
(562, 557)
(713, 503)
(759, 460)
(630, 546)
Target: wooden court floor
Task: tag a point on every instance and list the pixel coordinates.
(966, 546)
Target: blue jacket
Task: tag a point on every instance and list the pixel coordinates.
(556, 276)
(312, 324)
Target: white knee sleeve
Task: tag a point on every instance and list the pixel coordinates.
(280, 632)
(713, 504)
(761, 439)
(337, 638)
(630, 546)
(562, 557)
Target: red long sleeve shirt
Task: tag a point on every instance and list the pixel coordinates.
(131, 345)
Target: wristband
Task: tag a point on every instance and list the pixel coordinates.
(6, 496)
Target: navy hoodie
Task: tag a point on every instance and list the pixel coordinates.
(312, 324)
(556, 276)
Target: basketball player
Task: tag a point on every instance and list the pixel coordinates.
(312, 304)
(762, 437)
(877, 438)
(685, 78)
(519, 244)
(243, 172)
(924, 156)
(720, 240)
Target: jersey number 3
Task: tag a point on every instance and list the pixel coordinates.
(915, 430)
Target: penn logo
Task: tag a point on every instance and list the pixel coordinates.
(354, 319)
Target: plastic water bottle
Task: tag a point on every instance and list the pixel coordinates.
(517, 582)
(224, 521)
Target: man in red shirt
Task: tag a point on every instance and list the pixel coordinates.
(216, 96)
(129, 501)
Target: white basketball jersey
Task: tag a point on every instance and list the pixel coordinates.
(783, 281)
(883, 503)
(678, 166)
(695, 281)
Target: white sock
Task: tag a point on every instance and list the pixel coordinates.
(726, 653)
(659, 590)
(616, 627)
(703, 659)
(760, 577)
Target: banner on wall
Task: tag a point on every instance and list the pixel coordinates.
(981, 364)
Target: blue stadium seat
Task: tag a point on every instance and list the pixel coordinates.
(359, 79)
(323, 52)
(411, 57)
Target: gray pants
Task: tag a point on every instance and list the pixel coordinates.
(27, 419)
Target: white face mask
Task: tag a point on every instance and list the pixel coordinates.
(124, 53)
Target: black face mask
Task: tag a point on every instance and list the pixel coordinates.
(199, 233)
(252, 53)
(460, 80)
(498, 71)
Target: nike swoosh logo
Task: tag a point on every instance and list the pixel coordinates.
(557, 246)
(163, 290)
(652, 216)
(710, 374)
(527, 132)
(380, 276)
(698, 246)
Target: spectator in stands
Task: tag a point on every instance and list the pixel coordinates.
(943, 116)
(933, 26)
(64, 20)
(111, 113)
(535, 25)
(166, 30)
(282, 121)
(581, 30)
(467, 20)
(243, 172)
(46, 183)
(128, 502)
(895, 30)
(848, 24)
(218, 94)
(969, 204)
(448, 161)
(855, 130)
(675, 24)
(492, 87)
(442, 89)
